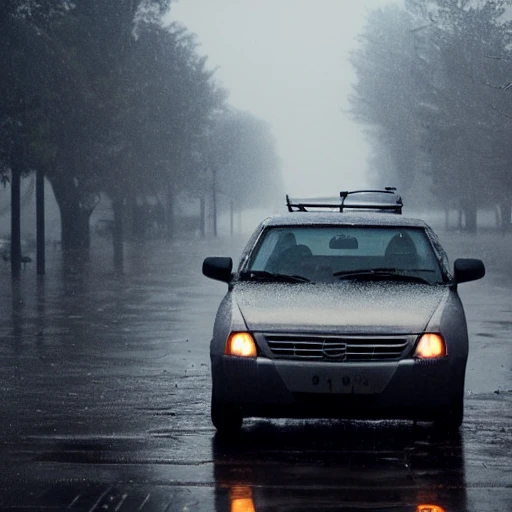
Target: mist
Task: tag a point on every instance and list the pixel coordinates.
(202, 111)
(288, 62)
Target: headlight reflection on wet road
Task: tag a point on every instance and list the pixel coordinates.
(240, 497)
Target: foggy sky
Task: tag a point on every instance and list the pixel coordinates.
(286, 61)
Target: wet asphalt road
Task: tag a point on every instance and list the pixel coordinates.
(105, 384)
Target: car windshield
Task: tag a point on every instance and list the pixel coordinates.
(337, 253)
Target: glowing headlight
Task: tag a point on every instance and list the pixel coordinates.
(241, 344)
(429, 508)
(430, 346)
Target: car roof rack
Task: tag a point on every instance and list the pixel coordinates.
(376, 200)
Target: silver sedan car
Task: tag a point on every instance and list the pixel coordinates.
(340, 314)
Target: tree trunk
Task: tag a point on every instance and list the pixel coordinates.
(231, 217)
(471, 219)
(470, 210)
(117, 238)
(505, 208)
(170, 211)
(202, 216)
(214, 200)
(15, 223)
(40, 227)
(75, 230)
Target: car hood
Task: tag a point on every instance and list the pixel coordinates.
(356, 307)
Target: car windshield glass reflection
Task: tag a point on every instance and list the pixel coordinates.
(328, 254)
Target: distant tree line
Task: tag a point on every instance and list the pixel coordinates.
(434, 88)
(105, 99)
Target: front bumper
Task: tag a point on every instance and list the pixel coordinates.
(408, 388)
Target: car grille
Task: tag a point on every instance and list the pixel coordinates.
(343, 349)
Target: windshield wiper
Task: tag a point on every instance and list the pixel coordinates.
(381, 273)
(263, 275)
(342, 273)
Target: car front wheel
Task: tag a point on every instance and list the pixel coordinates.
(227, 419)
(451, 418)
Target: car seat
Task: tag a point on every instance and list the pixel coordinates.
(401, 252)
(293, 260)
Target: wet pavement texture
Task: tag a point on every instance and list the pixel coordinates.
(105, 386)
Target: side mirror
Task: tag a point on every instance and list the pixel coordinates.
(218, 268)
(466, 269)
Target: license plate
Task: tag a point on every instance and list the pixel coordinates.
(341, 384)
(342, 380)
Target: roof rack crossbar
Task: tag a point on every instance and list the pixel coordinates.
(395, 207)
(303, 206)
